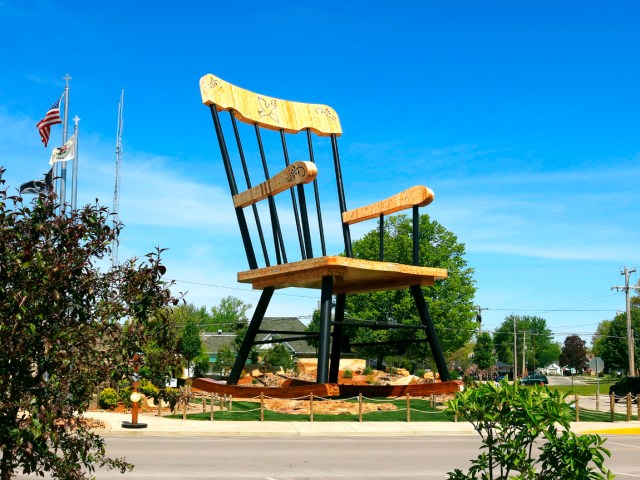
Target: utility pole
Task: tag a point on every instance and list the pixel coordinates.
(479, 310)
(630, 337)
(515, 356)
(524, 353)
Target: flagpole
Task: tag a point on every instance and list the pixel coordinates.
(63, 167)
(74, 181)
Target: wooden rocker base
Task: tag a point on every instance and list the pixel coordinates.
(350, 275)
(296, 389)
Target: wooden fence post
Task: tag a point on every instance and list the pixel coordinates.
(612, 404)
(262, 407)
(408, 407)
(577, 408)
(204, 403)
(311, 407)
(211, 405)
(433, 401)
(628, 407)
(360, 407)
(638, 406)
(230, 402)
(184, 409)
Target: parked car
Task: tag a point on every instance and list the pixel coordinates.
(626, 385)
(534, 379)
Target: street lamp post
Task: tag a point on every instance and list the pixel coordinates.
(135, 395)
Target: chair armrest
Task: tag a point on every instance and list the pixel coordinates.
(414, 196)
(295, 174)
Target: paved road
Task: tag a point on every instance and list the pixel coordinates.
(562, 380)
(267, 458)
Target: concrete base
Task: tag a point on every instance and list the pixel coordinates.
(126, 424)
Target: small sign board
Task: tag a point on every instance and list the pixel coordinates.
(596, 364)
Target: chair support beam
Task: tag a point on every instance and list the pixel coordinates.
(325, 329)
(334, 366)
(248, 342)
(436, 349)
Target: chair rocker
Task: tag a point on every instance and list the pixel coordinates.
(262, 118)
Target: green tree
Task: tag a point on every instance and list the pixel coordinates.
(224, 359)
(540, 351)
(483, 353)
(512, 421)
(157, 339)
(199, 315)
(450, 301)
(191, 346)
(60, 331)
(613, 349)
(279, 356)
(574, 353)
(237, 343)
(602, 331)
(462, 359)
(230, 314)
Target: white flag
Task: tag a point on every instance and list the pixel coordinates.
(64, 153)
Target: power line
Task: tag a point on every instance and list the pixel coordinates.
(237, 288)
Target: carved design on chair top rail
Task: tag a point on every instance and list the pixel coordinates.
(269, 112)
(268, 109)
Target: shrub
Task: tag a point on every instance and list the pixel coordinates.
(367, 370)
(278, 355)
(108, 398)
(392, 370)
(125, 395)
(348, 373)
(148, 389)
(171, 396)
(420, 372)
(526, 431)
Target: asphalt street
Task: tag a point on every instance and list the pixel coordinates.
(267, 458)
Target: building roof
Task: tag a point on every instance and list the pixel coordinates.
(291, 324)
(214, 341)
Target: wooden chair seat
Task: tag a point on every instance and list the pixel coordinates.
(350, 275)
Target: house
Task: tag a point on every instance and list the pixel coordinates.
(553, 369)
(214, 342)
(300, 349)
(504, 370)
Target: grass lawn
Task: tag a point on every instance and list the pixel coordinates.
(421, 411)
(589, 389)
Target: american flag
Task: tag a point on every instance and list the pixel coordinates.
(51, 118)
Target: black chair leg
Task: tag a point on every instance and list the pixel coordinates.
(325, 329)
(334, 366)
(432, 338)
(247, 343)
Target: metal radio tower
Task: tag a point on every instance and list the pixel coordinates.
(116, 191)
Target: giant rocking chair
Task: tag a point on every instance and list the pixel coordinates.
(333, 275)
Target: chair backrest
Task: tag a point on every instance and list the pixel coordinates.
(270, 133)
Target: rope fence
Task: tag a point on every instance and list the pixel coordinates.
(199, 402)
(586, 408)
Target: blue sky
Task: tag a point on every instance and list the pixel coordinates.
(521, 116)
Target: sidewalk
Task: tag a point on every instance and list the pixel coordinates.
(169, 427)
